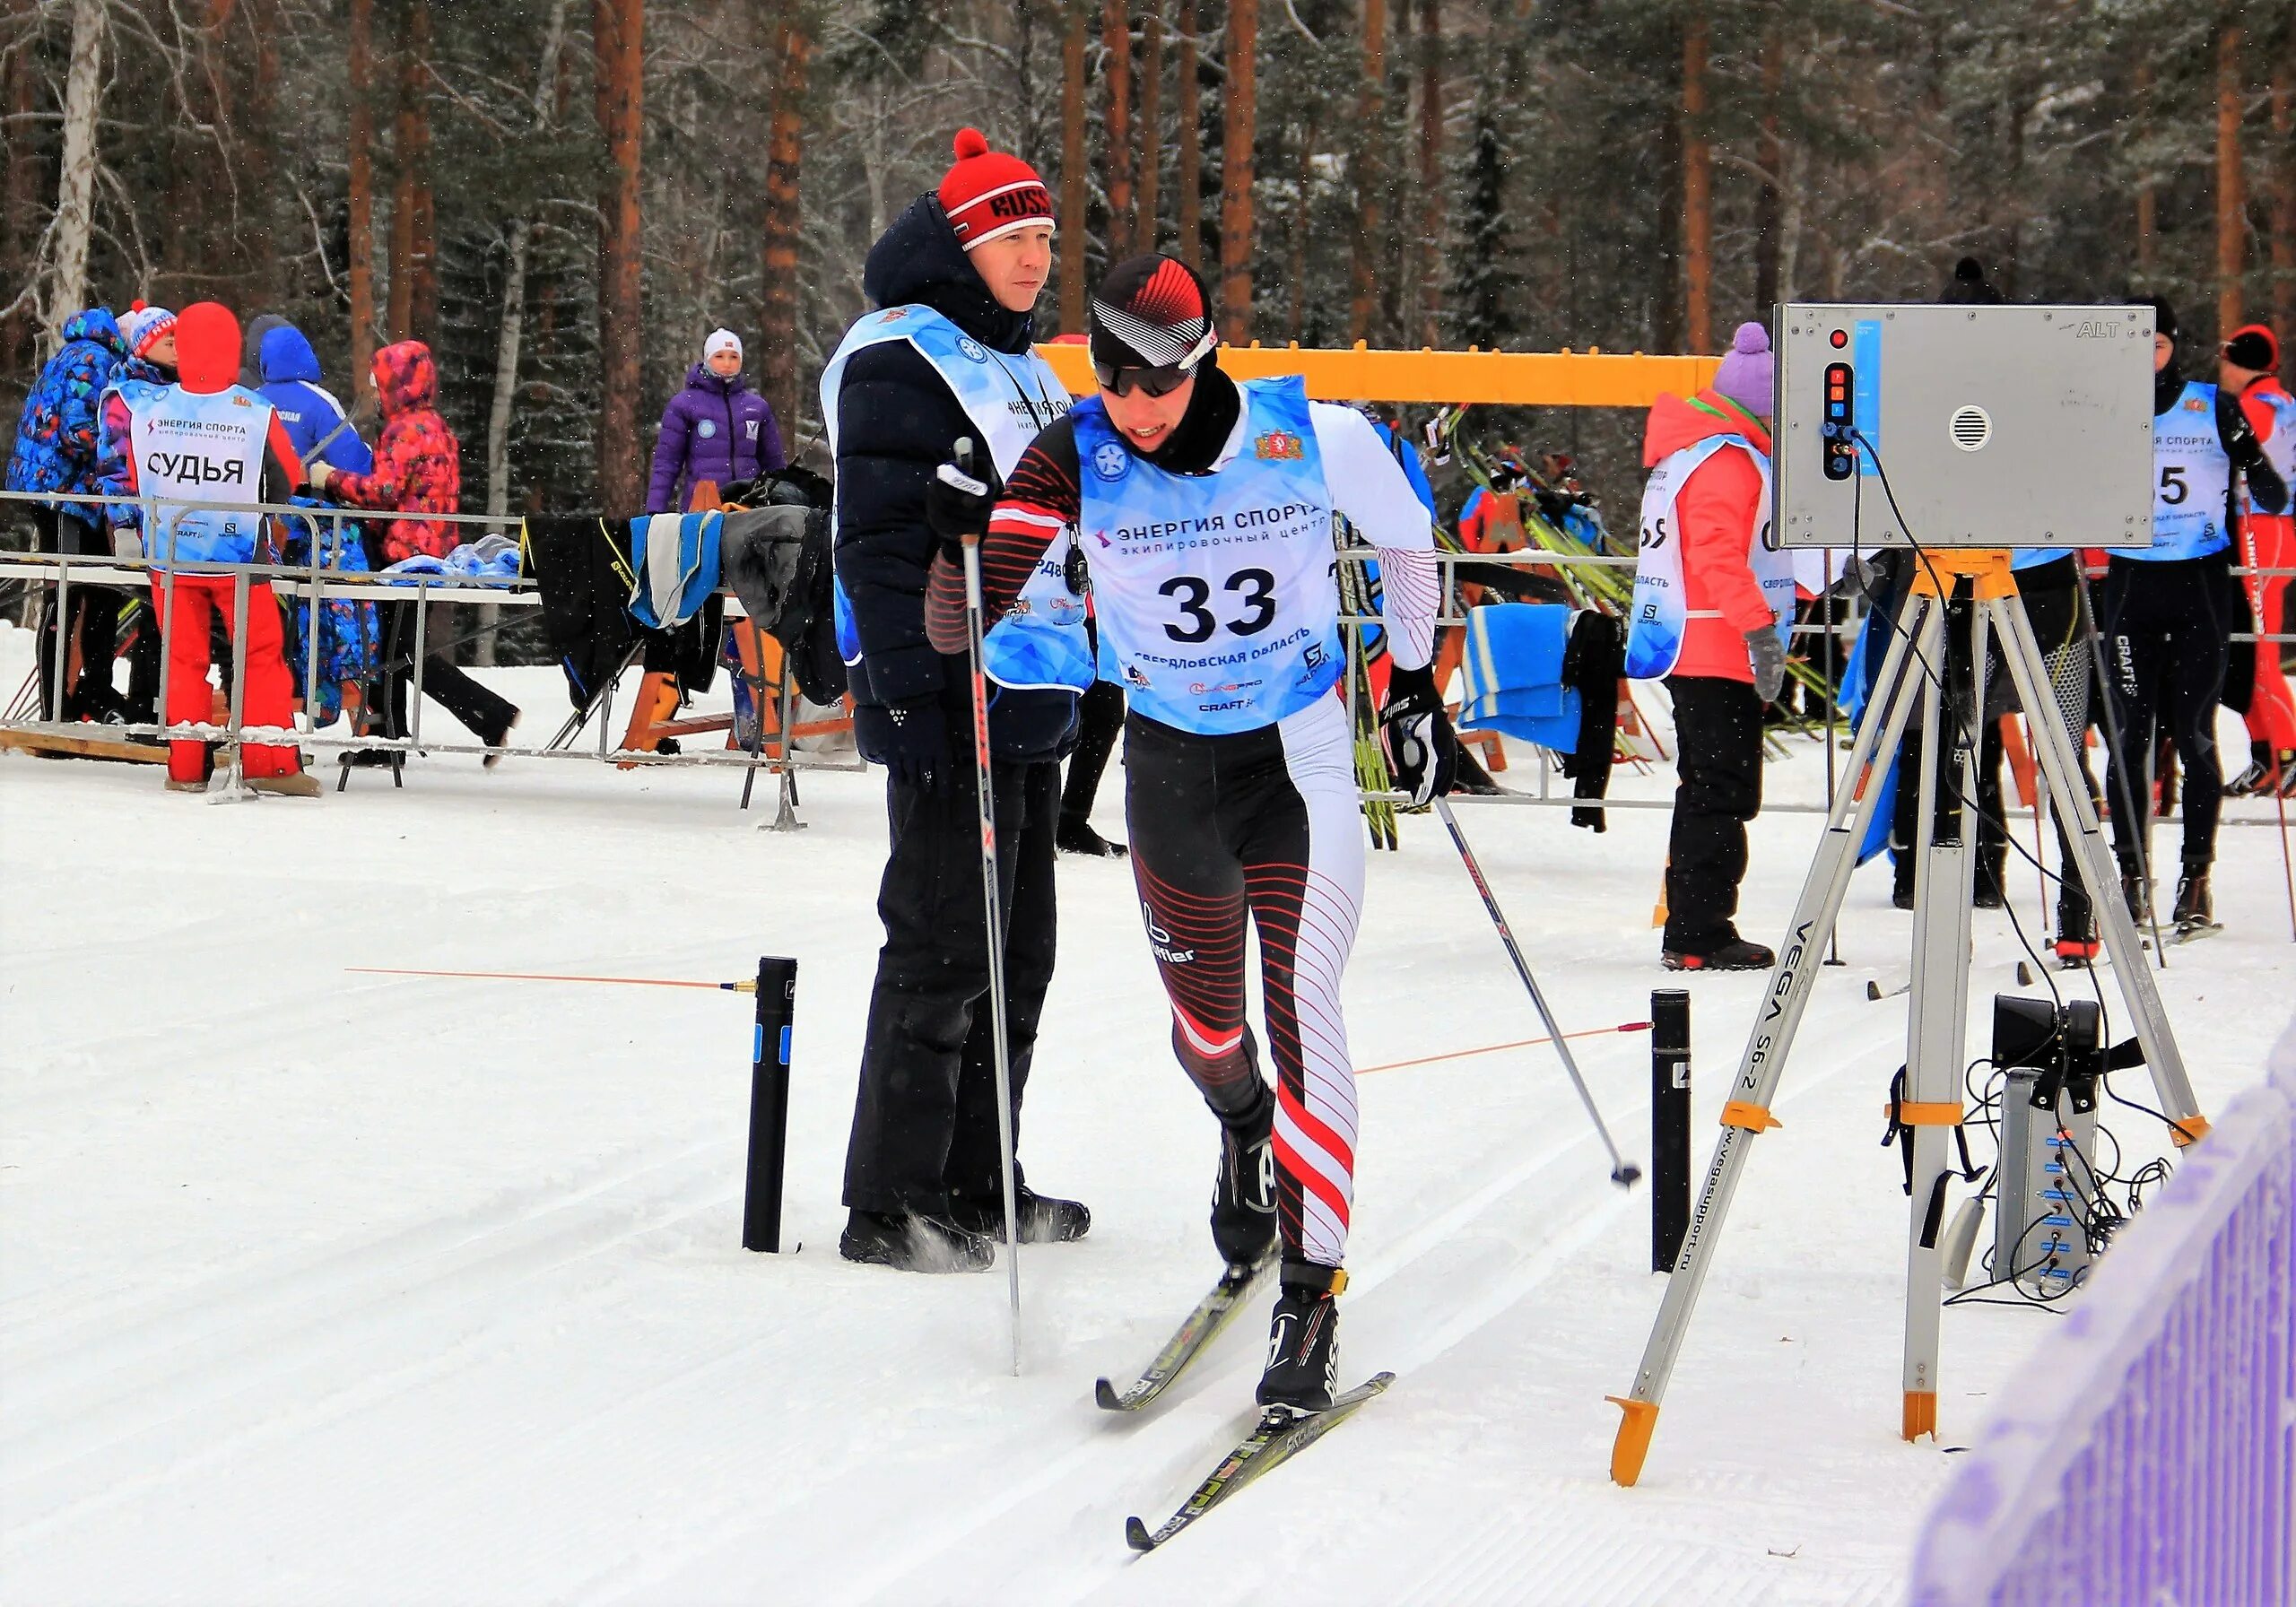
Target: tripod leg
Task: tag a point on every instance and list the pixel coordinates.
(2093, 863)
(1937, 1023)
(1747, 1113)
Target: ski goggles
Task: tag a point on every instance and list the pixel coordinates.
(1157, 382)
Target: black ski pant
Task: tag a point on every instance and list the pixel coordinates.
(925, 1122)
(1717, 742)
(2165, 626)
(1100, 716)
(485, 711)
(94, 621)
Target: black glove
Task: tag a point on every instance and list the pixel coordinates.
(917, 744)
(1767, 655)
(1421, 752)
(959, 499)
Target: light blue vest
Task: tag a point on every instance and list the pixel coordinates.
(2192, 482)
(1009, 399)
(1216, 605)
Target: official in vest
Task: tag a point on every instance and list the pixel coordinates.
(1712, 606)
(207, 439)
(2248, 369)
(947, 356)
(2168, 610)
(1199, 513)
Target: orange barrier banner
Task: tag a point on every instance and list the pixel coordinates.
(1589, 378)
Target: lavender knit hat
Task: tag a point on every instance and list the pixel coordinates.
(1748, 371)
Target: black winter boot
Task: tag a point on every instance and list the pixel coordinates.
(2195, 910)
(1043, 1220)
(2136, 892)
(2076, 926)
(1303, 1340)
(1243, 1198)
(913, 1244)
(1736, 955)
(1074, 835)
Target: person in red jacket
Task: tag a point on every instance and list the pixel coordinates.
(418, 469)
(2249, 367)
(1710, 460)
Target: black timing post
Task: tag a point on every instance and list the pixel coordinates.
(1669, 1126)
(777, 1004)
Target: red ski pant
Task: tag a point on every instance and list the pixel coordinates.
(2271, 544)
(267, 692)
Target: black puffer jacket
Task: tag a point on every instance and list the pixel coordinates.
(897, 421)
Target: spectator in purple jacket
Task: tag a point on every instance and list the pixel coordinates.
(717, 429)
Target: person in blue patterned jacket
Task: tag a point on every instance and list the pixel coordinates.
(56, 450)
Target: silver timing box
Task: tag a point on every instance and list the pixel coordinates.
(1995, 426)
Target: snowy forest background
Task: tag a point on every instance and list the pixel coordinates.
(563, 195)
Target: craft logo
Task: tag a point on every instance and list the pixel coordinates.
(972, 348)
(705, 429)
(1279, 445)
(1111, 461)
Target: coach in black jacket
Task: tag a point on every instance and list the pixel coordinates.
(923, 1177)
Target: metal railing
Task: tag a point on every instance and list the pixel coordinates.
(2146, 1451)
(316, 582)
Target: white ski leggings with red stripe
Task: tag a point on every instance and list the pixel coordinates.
(1266, 823)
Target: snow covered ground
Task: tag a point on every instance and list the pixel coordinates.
(325, 1288)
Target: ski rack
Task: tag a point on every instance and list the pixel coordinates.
(1974, 592)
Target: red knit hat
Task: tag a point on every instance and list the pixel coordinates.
(991, 193)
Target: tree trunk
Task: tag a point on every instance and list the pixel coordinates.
(1770, 153)
(1366, 171)
(1431, 170)
(1236, 171)
(1295, 255)
(18, 344)
(2148, 217)
(2232, 190)
(2284, 207)
(1116, 41)
(1189, 174)
(1073, 193)
(362, 264)
(1698, 195)
(422, 232)
(618, 32)
(75, 190)
(1666, 268)
(1151, 132)
(785, 220)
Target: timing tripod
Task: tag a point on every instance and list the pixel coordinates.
(1958, 601)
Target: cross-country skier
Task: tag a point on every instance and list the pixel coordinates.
(2168, 609)
(1199, 511)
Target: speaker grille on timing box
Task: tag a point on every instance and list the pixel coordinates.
(1972, 427)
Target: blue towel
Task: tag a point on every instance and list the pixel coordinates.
(675, 557)
(1514, 674)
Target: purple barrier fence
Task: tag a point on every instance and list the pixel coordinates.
(2146, 1452)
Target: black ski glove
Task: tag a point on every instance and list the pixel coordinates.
(1421, 751)
(959, 499)
(917, 744)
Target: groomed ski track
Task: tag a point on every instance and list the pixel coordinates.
(327, 1288)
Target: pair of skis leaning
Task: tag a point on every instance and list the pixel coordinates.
(1280, 1433)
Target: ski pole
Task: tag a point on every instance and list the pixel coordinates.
(384, 970)
(1623, 1172)
(991, 904)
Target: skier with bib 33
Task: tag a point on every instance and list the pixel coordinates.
(1199, 514)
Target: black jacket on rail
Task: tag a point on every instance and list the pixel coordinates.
(897, 421)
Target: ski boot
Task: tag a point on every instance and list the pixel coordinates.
(2261, 778)
(1074, 835)
(1736, 955)
(2195, 909)
(1303, 1340)
(2077, 928)
(2136, 892)
(1243, 1199)
(911, 1243)
(1043, 1220)
(1986, 891)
